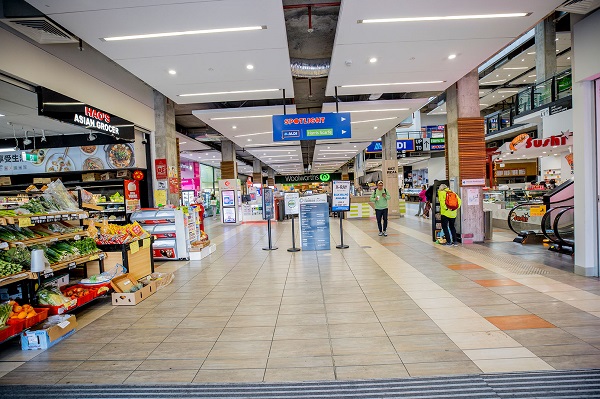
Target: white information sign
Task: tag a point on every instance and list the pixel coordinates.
(292, 203)
(472, 196)
(341, 196)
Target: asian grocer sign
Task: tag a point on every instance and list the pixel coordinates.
(311, 126)
(68, 110)
(314, 178)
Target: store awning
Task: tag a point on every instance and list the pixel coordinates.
(525, 147)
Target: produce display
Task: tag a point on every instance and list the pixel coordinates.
(20, 256)
(86, 246)
(76, 292)
(9, 268)
(20, 312)
(52, 297)
(5, 313)
(115, 234)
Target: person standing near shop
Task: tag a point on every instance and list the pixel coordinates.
(380, 197)
(449, 204)
(422, 201)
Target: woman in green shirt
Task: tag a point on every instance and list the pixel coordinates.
(380, 197)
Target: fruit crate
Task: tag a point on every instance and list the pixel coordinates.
(42, 314)
(80, 299)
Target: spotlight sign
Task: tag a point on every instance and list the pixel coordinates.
(312, 126)
(68, 110)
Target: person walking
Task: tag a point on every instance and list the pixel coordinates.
(422, 201)
(380, 197)
(428, 199)
(449, 204)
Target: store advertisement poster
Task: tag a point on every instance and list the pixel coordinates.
(132, 195)
(472, 196)
(173, 185)
(267, 203)
(228, 215)
(291, 203)
(160, 197)
(341, 196)
(228, 198)
(69, 159)
(160, 168)
(314, 226)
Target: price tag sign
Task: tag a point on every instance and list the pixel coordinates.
(83, 215)
(50, 218)
(42, 219)
(72, 265)
(54, 239)
(77, 237)
(134, 247)
(146, 242)
(25, 222)
(94, 257)
(34, 219)
(48, 274)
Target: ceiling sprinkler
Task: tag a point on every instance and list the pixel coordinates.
(26, 140)
(43, 139)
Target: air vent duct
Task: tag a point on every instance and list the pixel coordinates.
(41, 30)
(302, 68)
(579, 6)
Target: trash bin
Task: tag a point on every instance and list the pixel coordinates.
(488, 229)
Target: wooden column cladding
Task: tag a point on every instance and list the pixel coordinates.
(228, 170)
(471, 148)
(257, 178)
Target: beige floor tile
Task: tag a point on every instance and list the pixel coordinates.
(252, 321)
(422, 342)
(465, 325)
(301, 332)
(500, 310)
(547, 336)
(412, 327)
(161, 377)
(24, 378)
(130, 351)
(511, 365)
(247, 334)
(259, 349)
(311, 308)
(371, 372)
(229, 375)
(498, 353)
(366, 359)
(175, 350)
(451, 313)
(442, 368)
(5, 367)
(146, 323)
(571, 362)
(483, 340)
(565, 350)
(255, 310)
(437, 303)
(95, 377)
(354, 346)
(148, 336)
(356, 330)
(302, 319)
(302, 348)
(299, 374)
(337, 298)
(397, 306)
(299, 361)
(232, 362)
(352, 317)
(207, 311)
(203, 322)
(127, 365)
(432, 356)
(185, 335)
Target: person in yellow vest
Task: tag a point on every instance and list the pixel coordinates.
(449, 204)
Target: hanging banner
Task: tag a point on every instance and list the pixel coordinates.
(312, 126)
(341, 196)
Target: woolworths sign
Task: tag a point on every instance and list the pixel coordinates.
(316, 178)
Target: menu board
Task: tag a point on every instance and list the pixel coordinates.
(267, 203)
(69, 159)
(314, 226)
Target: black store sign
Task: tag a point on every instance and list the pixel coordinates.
(68, 110)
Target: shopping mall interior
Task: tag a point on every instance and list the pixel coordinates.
(253, 198)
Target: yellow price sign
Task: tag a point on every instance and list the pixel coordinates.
(134, 247)
(94, 257)
(146, 242)
(538, 210)
(25, 222)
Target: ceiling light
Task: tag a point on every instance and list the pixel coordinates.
(328, 147)
(509, 75)
(543, 152)
(227, 92)
(234, 127)
(394, 84)
(11, 149)
(373, 60)
(1, 115)
(376, 120)
(532, 52)
(567, 58)
(240, 117)
(374, 127)
(172, 72)
(556, 39)
(183, 142)
(524, 80)
(378, 110)
(252, 134)
(250, 66)
(494, 81)
(443, 18)
(354, 146)
(508, 91)
(249, 139)
(485, 105)
(531, 76)
(497, 76)
(523, 60)
(452, 56)
(182, 33)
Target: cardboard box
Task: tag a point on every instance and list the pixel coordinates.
(124, 174)
(107, 176)
(42, 180)
(133, 298)
(90, 177)
(5, 181)
(123, 283)
(49, 333)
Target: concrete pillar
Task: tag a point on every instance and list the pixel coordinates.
(228, 161)
(166, 143)
(271, 177)
(545, 50)
(465, 152)
(345, 175)
(257, 172)
(359, 168)
(389, 171)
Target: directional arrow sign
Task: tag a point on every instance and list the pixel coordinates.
(311, 126)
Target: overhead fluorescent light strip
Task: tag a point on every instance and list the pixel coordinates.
(381, 119)
(227, 92)
(253, 134)
(182, 33)
(443, 18)
(393, 84)
(240, 117)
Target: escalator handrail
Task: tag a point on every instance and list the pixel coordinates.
(518, 206)
(555, 227)
(545, 218)
(561, 201)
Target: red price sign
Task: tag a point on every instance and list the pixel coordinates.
(160, 165)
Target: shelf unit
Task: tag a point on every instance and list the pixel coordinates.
(170, 232)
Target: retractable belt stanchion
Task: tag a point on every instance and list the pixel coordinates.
(270, 247)
(267, 203)
(293, 248)
(341, 246)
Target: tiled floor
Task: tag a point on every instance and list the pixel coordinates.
(392, 306)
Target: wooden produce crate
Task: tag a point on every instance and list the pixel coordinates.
(137, 261)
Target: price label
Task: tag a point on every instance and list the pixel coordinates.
(94, 257)
(34, 219)
(25, 222)
(77, 237)
(64, 324)
(72, 265)
(3, 245)
(50, 218)
(83, 215)
(146, 242)
(54, 239)
(134, 247)
(42, 219)
(48, 274)
(101, 256)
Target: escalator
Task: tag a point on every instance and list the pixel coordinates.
(564, 231)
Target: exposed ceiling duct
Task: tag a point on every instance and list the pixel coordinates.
(579, 6)
(302, 68)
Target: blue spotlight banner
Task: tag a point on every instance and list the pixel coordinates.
(312, 127)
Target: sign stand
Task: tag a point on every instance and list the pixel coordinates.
(293, 248)
(341, 246)
(270, 247)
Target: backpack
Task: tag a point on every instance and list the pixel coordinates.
(451, 200)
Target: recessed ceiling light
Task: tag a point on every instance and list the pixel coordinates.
(509, 75)
(394, 84)
(557, 39)
(568, 58)
(378, 110)
(234, 127)
(373, 60)
(543, 152)
(452, 56)
(375, 120)
(495, 81)
(249, 66)
(182, 33)
(249, 139)
(374, 127)
(531, 76)
(252, 134)
(532, 52)
(354, 146)
(524, 80)
(328, 147)
(523, 60)
(172, 72)
(183, 142)
(227, 92)
(497, 76)
(442, 18)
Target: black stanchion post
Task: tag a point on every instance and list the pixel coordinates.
(270, 247)
(341, 246)
(293, 248)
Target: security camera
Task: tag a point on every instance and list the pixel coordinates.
(144, 141)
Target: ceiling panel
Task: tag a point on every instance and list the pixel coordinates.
(206, 63)
(396, 44)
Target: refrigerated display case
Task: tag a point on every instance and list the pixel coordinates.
(170, 231)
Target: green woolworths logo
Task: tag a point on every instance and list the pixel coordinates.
(324, 177)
